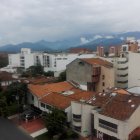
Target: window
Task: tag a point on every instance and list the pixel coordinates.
(21, 57)
(59, 58)
(32, 98)
(103, 83)
(64, 58)
(77, 128)
(76, 118)
(43, 105)
(103, 77)
(22, 64)
(48, 57)
(108, 125)
(22, 60)
(48, 107)
(81, 63)
(124, 49)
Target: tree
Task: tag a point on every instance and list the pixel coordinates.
(62, 76)
(136, 138)
(35, 70)
(3, 60)
(55, 121)
(0, 86)
(16, 89)
(106, 53)
(3, 107)
(49, 73)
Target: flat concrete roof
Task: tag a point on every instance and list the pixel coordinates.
(135, 90)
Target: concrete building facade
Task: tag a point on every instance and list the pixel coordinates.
(134, 70)
(91, 74)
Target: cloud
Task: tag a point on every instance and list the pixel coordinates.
(84, 40)
(97, 37)
(109, 37)
(32, 20)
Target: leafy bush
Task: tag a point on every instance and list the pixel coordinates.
(13, 109)
(62, 76)
(68, 135)
(136, 138)
(49, 73)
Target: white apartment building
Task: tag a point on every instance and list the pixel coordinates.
(121, 72)
(25, 59)
(134, 70)
(52, 62)
(120, 65)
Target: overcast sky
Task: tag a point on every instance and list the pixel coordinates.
(33, 20)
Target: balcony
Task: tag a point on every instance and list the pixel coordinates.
(125, 68)
(122, 82)
(122, 75)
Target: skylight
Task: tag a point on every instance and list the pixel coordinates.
(69, 92)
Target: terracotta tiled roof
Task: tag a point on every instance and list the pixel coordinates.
(98, 61)
(100, 99)
(56, 94)
(80, 94)
(118, 106)
(5, 76)
(63, 101)
(57, 100)
(41, 90)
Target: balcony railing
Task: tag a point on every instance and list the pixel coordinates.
(122, 75)
(122, 82)
(123, 68)
(122, 62)
(108, 127)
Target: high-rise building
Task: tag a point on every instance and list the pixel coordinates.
(100, 51)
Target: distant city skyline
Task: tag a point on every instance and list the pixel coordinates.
(33, 20)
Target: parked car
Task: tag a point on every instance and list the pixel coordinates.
(29, 115)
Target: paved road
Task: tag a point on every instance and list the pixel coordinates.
(9, 131)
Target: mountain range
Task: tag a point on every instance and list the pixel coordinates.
(90, 41)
